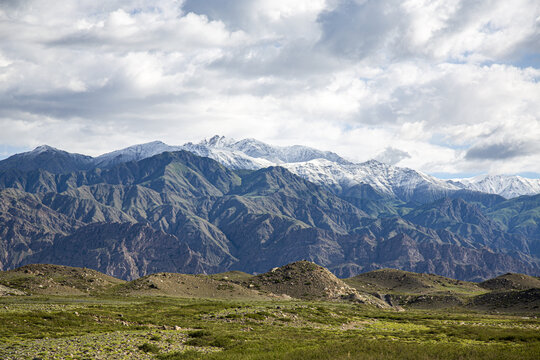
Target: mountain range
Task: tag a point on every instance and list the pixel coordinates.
(321, 167)
(244, 205)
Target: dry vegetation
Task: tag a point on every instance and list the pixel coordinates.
(57, 280)
(511, 282)
(189, 286)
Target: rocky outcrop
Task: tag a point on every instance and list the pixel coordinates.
(7, 291)
(306, 280)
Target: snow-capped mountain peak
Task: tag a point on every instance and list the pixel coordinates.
(43, 148)
(218, 141)
(133, 153)
(274, 154)
(402, 183)
(508, 186)
(321, 167)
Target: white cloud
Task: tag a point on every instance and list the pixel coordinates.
(453, 84)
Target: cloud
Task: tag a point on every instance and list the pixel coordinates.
(234, 13)
(501, 151)
(360, 29)
(445, 82)
(464, 31)
(262, 18)
(392, 156)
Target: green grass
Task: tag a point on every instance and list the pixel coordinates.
(149, 348)
(166, 328)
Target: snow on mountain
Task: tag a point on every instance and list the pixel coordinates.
(321, 167)
(284, 154)
(217, 141)
(41, 149)
(505, 185)
(329, 169)
(47, 158)
(218, 148)
(133, 153)
(402, 183)
(256, 151)
(233, 159)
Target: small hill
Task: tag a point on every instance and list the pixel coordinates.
(57, 280)
(392, 281)
(306, 280)
(516, 301)
(511, 281)
(189, 286)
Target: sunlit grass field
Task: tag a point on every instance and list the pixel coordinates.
(166, 328)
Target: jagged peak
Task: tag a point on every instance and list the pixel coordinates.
(372, 163)
(218, 141)
(43, 148)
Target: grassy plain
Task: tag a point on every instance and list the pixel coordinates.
(125, 327)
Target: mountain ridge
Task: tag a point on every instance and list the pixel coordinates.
(321, 167)
(217, 220)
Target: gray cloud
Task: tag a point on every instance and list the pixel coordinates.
(502, 150)
(392, 156)
(360, 29)
(467, 31)
(234, 13)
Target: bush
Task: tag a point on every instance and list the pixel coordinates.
(204, 338)
(149, 348)
(198, 333)
(256, 316)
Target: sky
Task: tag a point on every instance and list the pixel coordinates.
(448, 87)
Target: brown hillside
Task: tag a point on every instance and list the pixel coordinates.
(511, 281)
(57, 280)
(520, 301)
(392, 281)
(191, 286)
(306, 280)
